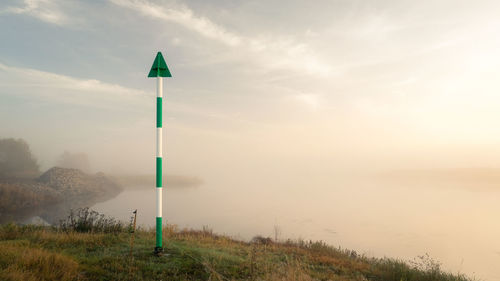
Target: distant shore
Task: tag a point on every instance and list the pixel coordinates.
(53, 193)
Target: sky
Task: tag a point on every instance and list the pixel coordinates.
(257, 85)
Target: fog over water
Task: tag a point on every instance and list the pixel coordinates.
(451, 222)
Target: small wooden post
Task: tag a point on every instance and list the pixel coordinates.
(132, 237)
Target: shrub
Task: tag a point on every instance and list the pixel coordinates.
(16, 160)
(18, 198)
(87, 220)
(78, 161)
(262, 240)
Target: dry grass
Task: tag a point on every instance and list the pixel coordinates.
(38, 253)
(16, 197)
(288, 272)
(32, 264)
(264, 259)
(49, 237)
(73, 239)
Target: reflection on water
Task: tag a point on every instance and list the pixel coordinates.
(457, 226)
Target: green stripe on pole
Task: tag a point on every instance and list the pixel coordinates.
(158, 172)
(158, 112)
(158, 232)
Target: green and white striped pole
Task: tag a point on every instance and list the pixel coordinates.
(159, 70)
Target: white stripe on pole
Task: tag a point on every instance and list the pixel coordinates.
(159, 92)
(158, 202)
(159, 151)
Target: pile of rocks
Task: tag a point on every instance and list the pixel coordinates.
(75, 184)
(54, 193)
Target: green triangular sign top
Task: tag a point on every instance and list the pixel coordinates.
(159, 68)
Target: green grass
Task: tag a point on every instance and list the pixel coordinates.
(44, 253)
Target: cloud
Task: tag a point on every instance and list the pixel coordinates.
(271, 52)
(185, 17)
(45, 10)
(55, 88)
(59, 88)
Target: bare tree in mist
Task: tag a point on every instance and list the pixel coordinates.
(16, 160)
(277, 232)
(78, 161)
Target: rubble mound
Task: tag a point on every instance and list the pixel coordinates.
(75, 183)
(53, 194)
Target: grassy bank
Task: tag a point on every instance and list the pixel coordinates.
(43, 253)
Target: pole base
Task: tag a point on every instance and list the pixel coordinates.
(158, 251)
